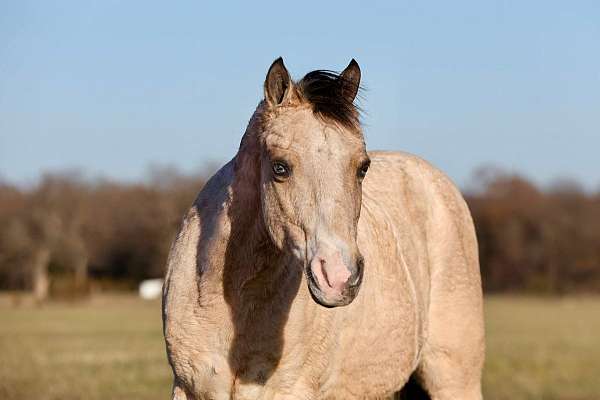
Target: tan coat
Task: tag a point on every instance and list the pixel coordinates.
(239, 319)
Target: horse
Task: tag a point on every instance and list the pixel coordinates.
(308, 268)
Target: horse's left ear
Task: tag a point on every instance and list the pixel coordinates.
(350, 80)
(278, 83)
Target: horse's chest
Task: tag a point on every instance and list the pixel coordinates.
(380, 347)
(239, 355)
(236, 376)
(223, 365)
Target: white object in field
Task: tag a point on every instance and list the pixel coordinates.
(151, 289)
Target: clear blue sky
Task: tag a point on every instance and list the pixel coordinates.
(114, 86)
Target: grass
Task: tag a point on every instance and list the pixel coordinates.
(543, 349)
(111, 348)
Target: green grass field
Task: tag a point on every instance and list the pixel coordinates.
(111, 348)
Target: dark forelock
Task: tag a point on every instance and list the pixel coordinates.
(324, 91)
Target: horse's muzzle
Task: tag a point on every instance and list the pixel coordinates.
(331, 283)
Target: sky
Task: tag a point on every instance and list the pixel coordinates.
(113, 87)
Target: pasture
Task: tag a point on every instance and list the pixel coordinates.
(111, 347)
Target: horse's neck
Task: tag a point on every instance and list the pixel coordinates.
(250, 256)
(251, 265)
(260, 282)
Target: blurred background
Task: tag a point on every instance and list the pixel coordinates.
(114, 114)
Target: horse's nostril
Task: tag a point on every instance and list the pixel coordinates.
(324, 272)
(355, 279)
(360, 262)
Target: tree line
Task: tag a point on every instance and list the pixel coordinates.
(68, 235)
(536, 240)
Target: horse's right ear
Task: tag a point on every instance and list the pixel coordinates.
(278, 83)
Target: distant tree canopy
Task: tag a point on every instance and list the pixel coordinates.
(534, 240)
(529, 239)
(112, 232)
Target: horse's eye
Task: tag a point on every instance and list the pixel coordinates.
(281, 169)
(362, 171)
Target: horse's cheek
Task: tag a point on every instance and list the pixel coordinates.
(273, 221)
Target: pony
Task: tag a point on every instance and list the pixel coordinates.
(308, 268)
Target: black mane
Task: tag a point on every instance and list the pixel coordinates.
(325, 91)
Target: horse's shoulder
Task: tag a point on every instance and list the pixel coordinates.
(199, 226)
(215, 194)
(205, 219)
(415, 188)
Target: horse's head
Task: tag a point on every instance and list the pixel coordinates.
(313, 161)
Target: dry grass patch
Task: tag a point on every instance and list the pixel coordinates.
(112, 348)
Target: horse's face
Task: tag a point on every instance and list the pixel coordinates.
(311, 189)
